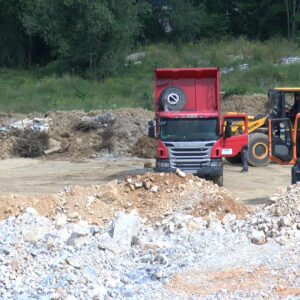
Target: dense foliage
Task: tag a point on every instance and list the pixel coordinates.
(43, 89)
(91, 37)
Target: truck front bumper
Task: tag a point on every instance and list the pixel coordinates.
(162, 165)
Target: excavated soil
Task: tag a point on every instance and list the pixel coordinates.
(152, 196)
(77, 135)
(70, 141)
(72, 137)
(252, 105)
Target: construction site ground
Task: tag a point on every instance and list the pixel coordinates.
(94, 166)
(38, 176)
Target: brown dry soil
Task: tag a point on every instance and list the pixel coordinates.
(152, 195)
(42, 183)
(199, 283)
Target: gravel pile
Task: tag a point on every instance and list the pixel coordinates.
(179, 257)
(278, 220)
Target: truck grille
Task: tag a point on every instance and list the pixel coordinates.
(189, 156)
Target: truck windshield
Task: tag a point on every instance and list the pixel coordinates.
(189, 129)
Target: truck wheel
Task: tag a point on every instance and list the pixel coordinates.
(234, 159)
(258, 154)
(173, 98)
(218, 180)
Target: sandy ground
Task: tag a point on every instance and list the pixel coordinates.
(33, 176)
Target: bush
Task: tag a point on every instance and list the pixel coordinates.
(31, 144)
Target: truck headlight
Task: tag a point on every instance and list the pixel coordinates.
(163, 164)
(215, 163)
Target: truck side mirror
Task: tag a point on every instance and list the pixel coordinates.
(151, 129)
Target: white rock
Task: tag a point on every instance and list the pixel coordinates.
(258, 237)
(125, 227)
(154, 189)
(32, 236)
(180, 173)
(78, 237)
(31, 211)
(60, 220)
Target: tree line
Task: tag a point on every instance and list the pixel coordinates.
(91, 37)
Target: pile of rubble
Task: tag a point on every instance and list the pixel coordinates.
(170, 236)
(278, 220)
(76, 134)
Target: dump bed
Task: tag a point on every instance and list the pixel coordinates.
(200, 87)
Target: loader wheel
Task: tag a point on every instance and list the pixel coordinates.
(258, 154)
(173, 98)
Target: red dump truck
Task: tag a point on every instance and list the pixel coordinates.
(190, 133)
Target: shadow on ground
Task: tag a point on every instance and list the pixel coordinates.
(130, 172)
(256, 201)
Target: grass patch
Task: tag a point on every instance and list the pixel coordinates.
(49, 88)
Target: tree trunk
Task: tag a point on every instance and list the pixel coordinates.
(29, 51)
(293, 20)
(288, 19)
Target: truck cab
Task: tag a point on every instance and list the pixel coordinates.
(190, 133)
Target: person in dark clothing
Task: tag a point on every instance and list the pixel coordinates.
(151, 129)
(296, 107)
(228, 129)
(244, 155)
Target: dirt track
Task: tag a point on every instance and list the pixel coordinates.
(32, 176)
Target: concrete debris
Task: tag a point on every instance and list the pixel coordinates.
(125, 228)
(278, 220)
(228, 69)
(78, 238)
(178, 257)
(287, 60)
(35, 124)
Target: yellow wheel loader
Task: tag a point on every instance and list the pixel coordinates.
(280, 101)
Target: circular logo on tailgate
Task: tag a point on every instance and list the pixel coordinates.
(173, 98)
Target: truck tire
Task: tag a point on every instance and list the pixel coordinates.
(218, 180)
(234, 159)
(173, 98)
(258, 153)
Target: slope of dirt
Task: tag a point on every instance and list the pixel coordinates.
(252, 105)
(152, 196)
(67, 141)
(145, 147)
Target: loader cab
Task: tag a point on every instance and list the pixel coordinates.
(284, 141)
(283, 102)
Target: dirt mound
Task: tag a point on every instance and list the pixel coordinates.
(77, 134)
(153, 196)
(252, 105)
(145, 147)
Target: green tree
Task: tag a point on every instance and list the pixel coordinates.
(257, 19)
(182, 20)
(292, 18)
(12, 36)
(91, 36)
